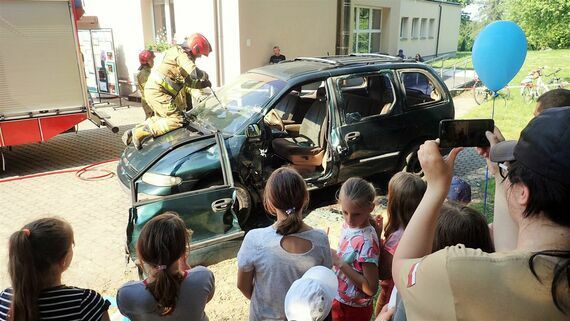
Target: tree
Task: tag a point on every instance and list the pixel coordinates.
(545, 22)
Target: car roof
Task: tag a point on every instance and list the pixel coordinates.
(303, 66)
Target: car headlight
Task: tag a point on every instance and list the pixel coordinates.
(161, 180)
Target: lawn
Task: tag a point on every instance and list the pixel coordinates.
(448, 63)
(513, 117)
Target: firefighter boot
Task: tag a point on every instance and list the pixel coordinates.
(127, 137)
(140, 135)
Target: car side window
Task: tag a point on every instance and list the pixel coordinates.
(420, 89)
(366, 96)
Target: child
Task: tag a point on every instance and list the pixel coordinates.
(457, 224)
(168, 291)
(460, 224)
(37, 256)
(271, 259)
(405, 191)
(357, 259)
(459, 191)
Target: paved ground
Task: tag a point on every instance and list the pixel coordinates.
(98, 210)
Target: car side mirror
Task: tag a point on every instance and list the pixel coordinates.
(352, 118)
(253, 131)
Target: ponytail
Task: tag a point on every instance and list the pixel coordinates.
(292, 224)
(32, 253)
(286, 192)
(24, 279)
(162, 242)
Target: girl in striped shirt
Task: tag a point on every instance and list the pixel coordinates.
(38, 254)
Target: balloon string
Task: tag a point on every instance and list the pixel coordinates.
(487, 168)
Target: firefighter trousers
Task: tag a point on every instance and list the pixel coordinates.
(167, 115)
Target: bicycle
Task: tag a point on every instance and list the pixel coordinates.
(533, 85)
(482, 94)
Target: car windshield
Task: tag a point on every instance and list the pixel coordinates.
(240, 100)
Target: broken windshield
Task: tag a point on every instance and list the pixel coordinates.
(240, 101)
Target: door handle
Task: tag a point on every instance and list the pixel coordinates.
(221, 205)
(352, 136)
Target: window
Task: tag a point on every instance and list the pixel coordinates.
(419, 88)
(164, 26)
(366, 96)
(404, 28)
(367, 30)
(431, 28)
(423, 28)
(415, 28)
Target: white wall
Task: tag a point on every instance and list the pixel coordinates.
(299, 27)
(193, 16)
(125, 18)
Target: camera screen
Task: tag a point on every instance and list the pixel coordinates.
(465, 133)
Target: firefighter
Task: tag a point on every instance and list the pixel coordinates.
(146, 59)
(177, 70)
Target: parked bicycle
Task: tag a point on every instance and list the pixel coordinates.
(533, 85)
(482, 94)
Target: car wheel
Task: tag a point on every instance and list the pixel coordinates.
(243, 206)
(411, 163)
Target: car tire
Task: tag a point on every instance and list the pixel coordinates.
(411, 163)
(243, 207)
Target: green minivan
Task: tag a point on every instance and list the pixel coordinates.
(331, 118)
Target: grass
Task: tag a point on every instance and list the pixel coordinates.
(513, 117)
(461, 55)
(479, 204)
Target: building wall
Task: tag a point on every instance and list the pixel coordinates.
(426, 46)
(299, 27)
(193, 16)
(125, 18)
(450, 21)
(394, 10)
(390, 22)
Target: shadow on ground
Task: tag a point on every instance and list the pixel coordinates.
(64, 151)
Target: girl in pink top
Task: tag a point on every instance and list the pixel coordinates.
(405, 192)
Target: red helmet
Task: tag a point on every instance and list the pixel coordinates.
(145, 56)
(197, 44)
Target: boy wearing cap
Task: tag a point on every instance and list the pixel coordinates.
(528, 283)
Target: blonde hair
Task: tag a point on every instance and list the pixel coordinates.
(358, 191)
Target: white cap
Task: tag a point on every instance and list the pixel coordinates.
(310, 297)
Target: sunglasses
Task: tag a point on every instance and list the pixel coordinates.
(504, 169)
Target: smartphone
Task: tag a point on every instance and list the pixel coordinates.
(465, 132)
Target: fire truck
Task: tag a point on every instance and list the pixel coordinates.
(43, 90)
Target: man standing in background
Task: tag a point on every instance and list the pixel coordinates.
(277, 56)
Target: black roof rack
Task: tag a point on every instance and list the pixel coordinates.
(319, 59)
(354, 58)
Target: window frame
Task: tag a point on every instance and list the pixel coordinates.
(431, 27)
(424, 28)
(370, 30)
(404, 28)
(437, 85)
(415, 28)
(168, 18)
(341, 103)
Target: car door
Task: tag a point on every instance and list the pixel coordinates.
(207, 212)
(369, 123)
(427, 101)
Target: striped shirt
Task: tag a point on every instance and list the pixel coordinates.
(62, 303)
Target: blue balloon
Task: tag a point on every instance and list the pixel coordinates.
(499, 53)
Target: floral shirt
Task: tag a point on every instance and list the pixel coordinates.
(356, 246)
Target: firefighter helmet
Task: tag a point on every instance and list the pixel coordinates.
(145, 56)
(198, 45)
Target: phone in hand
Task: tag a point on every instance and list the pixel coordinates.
(465, 132)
